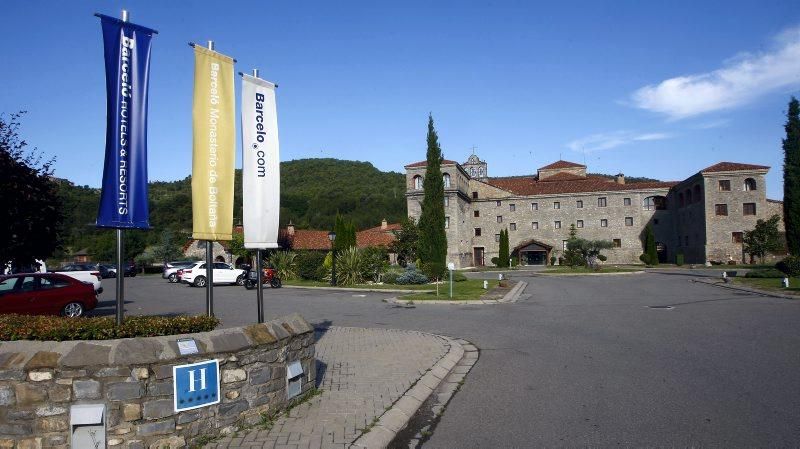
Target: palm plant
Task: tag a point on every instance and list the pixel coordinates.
(284, 264)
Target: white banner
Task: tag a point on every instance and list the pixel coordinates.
(261, 178)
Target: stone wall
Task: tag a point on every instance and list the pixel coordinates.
(40, 381)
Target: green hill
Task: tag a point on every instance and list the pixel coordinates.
(312, 191)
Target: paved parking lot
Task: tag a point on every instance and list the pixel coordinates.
(579, 361)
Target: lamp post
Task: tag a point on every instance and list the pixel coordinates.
(332, 238)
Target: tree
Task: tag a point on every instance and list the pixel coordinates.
(589, 250)
(650, 256)
(503, 255)
(168, 249)
(236, 246)
(763, 238)
(345, 233)
(432, 248)
(791, 178)
(32, 216)
(573, 257)
(405, 242)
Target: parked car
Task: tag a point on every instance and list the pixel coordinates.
(130, 269)
(195, 275)
(170, 271)
(86, 272)
(107, 270)
(46, 294)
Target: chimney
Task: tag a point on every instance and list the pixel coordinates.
(620, 178)
(290, 228)
(384, 225)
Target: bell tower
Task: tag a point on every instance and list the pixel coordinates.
(476, 168)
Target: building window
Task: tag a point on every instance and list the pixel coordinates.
(497, 237)
(418, 182)
(628, 221)
(556, 205)
(446, 201)
(617, 243)
(579, 224)
(446, 222)
(474, 195)
(477, 232)
(512, 226)
(601, 202)
(603, 223)
(535, 225)
(579, 204)
(749, 184)
(724, 185)
(688, 197)
(654, 203)
(721, 209)
(512, 207)
(626, 201)
(749, 208)
(736, 237)
(557, 225)
(564, 244)
(498, 203)
(534, 206)
(446, 180)
(476, 213)
(697, 196)
(499, 218)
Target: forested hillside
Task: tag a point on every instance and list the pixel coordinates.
(312, 192)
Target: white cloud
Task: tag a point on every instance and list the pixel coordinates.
(605, 141)
(740, 80)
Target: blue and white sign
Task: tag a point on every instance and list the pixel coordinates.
(196, 385)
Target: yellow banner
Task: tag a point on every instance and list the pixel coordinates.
(214, 144)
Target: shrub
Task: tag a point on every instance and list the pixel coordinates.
(644, 259)
(390, 277)
(309, 264)
(412, 276)
(350, 266)
(376, 262)
(679, 259)
(459, 276)
(434, 270)
(284, 263)
(602, 258)
(496, 261)
(765, 273)
(552, 260)
(790, 266)
(55, 328)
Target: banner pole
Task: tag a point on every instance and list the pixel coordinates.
(120, 278)
(209, 278)
(260, 291)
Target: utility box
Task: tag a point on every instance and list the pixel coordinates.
(294, 379)
(87, 426)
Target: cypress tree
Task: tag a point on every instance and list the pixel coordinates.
(791, 178)
(345, 233)
(503, 255)
(650, 246)
(432, 248)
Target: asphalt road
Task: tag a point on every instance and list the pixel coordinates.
(580, 361)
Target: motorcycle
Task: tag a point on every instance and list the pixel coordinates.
(268, 277)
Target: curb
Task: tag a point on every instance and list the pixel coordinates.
(345, 289)
(511, 296)
(624, 273)
(747, 289)
(448, 372)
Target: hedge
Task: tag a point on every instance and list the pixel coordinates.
(55, 328)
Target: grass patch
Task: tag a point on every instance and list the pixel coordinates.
(309, 283)
(770, 284)
(585, 270)
(468, 290)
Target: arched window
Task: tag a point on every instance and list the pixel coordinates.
(688, 196)
(654, 203)
(418, 182)
(749, 184)
(680, 200)
(446, 180)
(697, 196)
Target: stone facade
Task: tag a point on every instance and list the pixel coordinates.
(538, 211)
(40, 381)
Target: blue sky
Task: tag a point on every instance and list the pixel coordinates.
(658, 89)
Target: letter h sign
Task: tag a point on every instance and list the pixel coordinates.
(196, 385)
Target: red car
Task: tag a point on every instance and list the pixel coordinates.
(45, 294)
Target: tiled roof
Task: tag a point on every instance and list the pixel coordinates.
(563, 176)
(373, 238)
(732, 166)
(318, 240)
(425, 163)
(561, 164)
(389, 227)
(529, 185)
(310, 239)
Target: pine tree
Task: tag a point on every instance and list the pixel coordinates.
(791, 178)
(503, 253)
(345, 233)
(432, 248)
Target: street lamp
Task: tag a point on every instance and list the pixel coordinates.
(332, 238)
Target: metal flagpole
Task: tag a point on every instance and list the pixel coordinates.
(120, 251)
(259, 269)
(210, 258)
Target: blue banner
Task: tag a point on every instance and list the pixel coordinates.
(123, 200)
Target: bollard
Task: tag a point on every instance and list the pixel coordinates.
(485, 285)
(785, 282)
(500, 277)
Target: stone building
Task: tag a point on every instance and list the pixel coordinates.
(702, 217)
